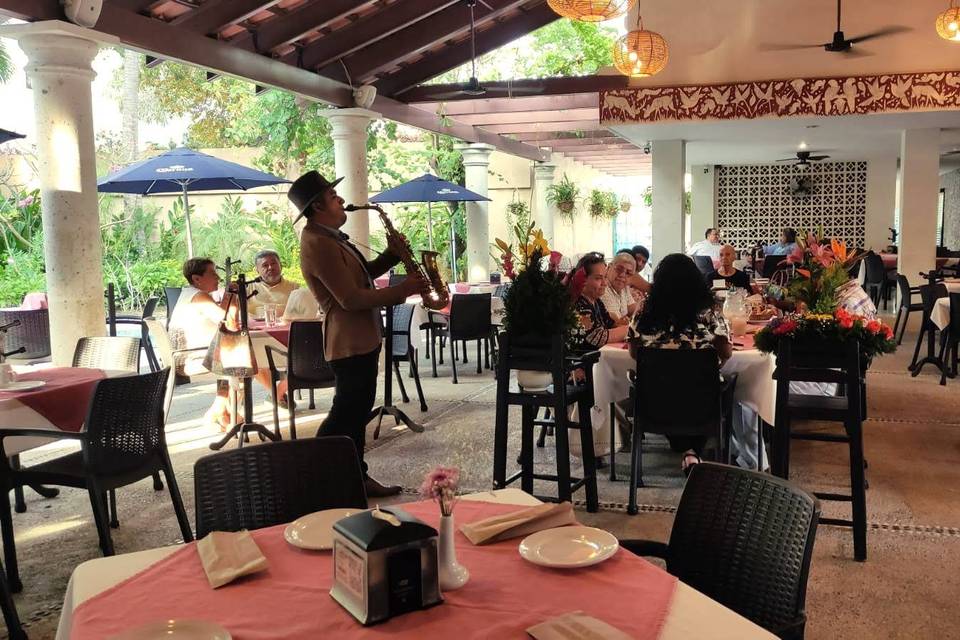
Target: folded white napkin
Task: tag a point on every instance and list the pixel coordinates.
(226, 556)
(576, 626)
(519, 523)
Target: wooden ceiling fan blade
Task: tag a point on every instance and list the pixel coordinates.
(446, 94)
(815, 158)
(856, 52)
(770, 46)
(880, 33)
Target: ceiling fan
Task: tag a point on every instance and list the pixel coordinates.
(804, 158)
(840, 43)
(472, 87)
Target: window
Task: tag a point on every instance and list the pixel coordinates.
(940, 205)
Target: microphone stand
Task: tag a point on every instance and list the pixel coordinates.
(241, 430)
(388, 408)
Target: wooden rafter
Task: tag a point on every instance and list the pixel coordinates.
(451, 57)
(544, 87)
(495, 104)
(545, 137)
(530, 117)
(569, 125)
(214, 15)
(303, 20)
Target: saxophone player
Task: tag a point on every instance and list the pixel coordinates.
(341, 279)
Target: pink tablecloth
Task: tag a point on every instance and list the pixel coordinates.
(280, 332)
(291, 599)
(64, 399)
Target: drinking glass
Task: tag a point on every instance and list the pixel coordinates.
(270, 314)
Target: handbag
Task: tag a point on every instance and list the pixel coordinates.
(230, 352)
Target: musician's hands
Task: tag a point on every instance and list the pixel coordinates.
(414, 285)
(397, 244)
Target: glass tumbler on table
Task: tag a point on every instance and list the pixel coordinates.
(270, 314)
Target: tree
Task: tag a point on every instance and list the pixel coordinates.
(6, 64)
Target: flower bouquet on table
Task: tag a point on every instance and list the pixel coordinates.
(819, 269)
(819, 330)
(441, 486)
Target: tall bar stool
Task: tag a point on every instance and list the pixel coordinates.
(839, 365)
(559, 396)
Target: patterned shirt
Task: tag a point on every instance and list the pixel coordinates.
(617, 303)
(599, 322)
(699, 336)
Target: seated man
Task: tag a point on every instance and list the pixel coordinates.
(709, 246)
(273, 288)
(727, 272)
(617, 297)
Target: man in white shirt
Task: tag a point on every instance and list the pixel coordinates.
(617, 298)
(710, 246)
(273, 288)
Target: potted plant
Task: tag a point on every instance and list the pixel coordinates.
(537, 306)
(563, 195)
(625, 204)
(603, 204)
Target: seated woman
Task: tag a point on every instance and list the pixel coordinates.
(617, 298)
(727, 272)
(679, 314)
(587, 284)
(787, 243)
(196, 318)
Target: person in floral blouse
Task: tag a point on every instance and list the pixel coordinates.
(679, 314)
(587, 284)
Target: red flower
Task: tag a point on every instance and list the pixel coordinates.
(874, 326)
(887, 332)
(846, 323)
(785, 327)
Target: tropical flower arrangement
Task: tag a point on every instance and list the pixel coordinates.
(819, 270)
(441, 485)
(821, 329)
(537, 305)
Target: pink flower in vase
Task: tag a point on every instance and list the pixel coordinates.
(555, 257)
(440, 485)
(822, 254)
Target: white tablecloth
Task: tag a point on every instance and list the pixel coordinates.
(941, 310)
(692, 614)
(756, 388)
(16, 415)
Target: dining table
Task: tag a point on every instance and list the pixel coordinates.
(940, 315)
(503, 597)
(755, 388)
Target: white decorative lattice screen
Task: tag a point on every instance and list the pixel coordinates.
(754, 202)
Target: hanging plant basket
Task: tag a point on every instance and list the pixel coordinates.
(625, 206)
(566, 207)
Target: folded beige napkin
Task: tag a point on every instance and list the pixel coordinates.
(227, 556)
(576, 626)
(519, 523)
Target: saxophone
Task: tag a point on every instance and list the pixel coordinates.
(438, 295)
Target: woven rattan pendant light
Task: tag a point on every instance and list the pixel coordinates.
(591, 10)
(640, 53)
(948, 23)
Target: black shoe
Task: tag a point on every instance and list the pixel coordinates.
(377, 490)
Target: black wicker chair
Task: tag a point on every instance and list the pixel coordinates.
(770, 264)
(403, 351)
(559, 397)
(907, 305)
(123, 441)
(120, 353)
(171, 295)
(149, 308)
(501, 290)
(33, 333)
(950, 340)
(469, 320)
(10, 616)
(874, 277)
(306, 368)
(744, 539)
(834, 363)
(276, 482)
(928, 298)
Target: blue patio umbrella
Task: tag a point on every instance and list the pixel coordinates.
(183, 170)
(429, 188)
(7, 136)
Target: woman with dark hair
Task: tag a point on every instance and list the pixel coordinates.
(679, 314)
(788, 240)
(587, 283)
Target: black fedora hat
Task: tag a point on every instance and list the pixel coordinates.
(308, 188)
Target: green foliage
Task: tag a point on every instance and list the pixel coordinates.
(21, 273)
(604, 205)
(647, 198)
(6, 65)
(518, 214)
(827, 332)
(564, 195)
(20, 221)
(537, 306)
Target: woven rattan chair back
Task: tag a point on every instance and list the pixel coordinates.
(470, 316)
(161, 343)
(678, 391)
(770, 264)
(33, 333)
(306, 365)
(150, 307)
(108, 352)
(276, 482)
(903, 286)
(125, 423)
(171, 295)
(501, 290)
(402, 318)
(745, 539)
(929, 296)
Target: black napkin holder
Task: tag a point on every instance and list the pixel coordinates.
(381, 570)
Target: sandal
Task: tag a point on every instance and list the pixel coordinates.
(687, 466)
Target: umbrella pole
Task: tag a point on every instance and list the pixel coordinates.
(186, 221)
(453, 246)
(430, 224)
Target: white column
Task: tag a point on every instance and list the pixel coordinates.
(543, 212)
(669, 164)
(919, 188)
(348, 128)
(60, 74)
(881, 201)
(476, 159)
(702, 200)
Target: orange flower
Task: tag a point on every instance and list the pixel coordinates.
(839, 248)
(874, 326)
(804, 273)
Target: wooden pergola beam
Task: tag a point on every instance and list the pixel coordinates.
(595, 148)
(494, 37)
(579, 143)
(544, 87)
(547, 137)
(529, 117)
(299, 22)
(519, 104)
(214, 15)
(137, 6)
(374, 28)
(451, 24)
(570, 125)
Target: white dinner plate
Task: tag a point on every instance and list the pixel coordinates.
(314, 531)
(568, 547)
(759, 321)
(176, 630)
(22, 385)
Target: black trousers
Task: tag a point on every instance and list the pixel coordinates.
(353, 398)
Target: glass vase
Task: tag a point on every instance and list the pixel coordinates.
(452, 574)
